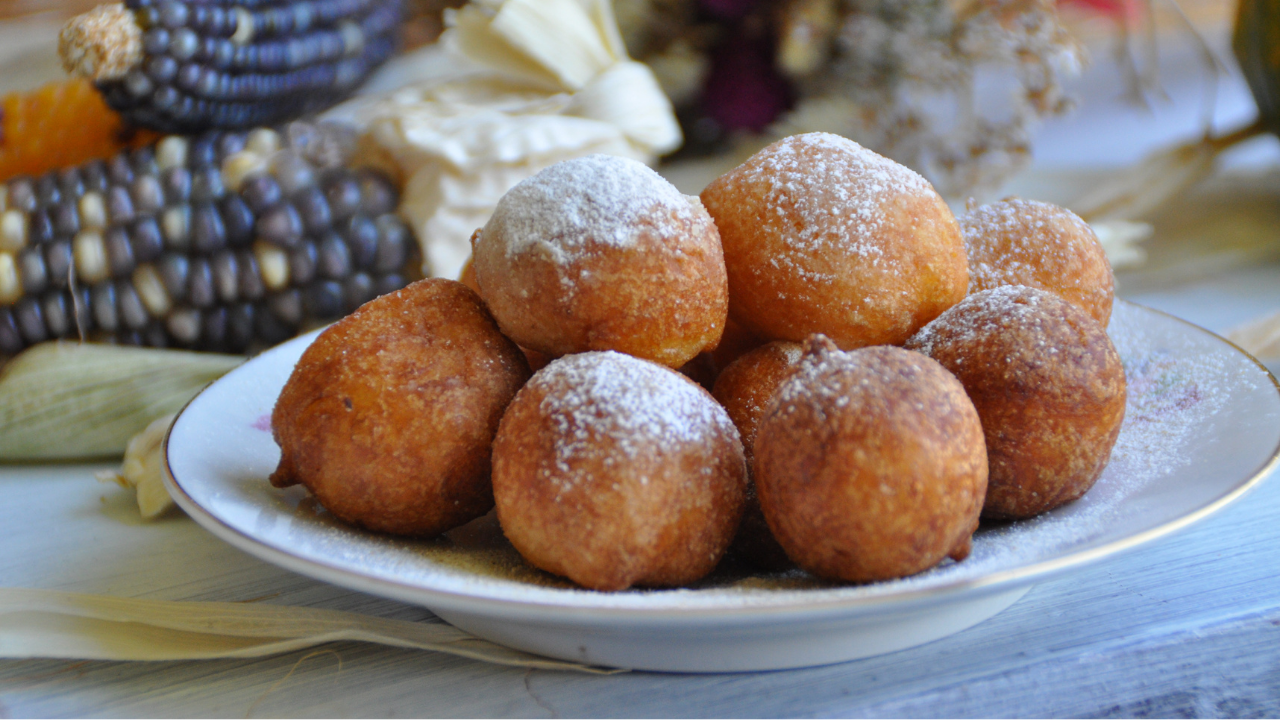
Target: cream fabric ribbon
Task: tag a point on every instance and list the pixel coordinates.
(53, 624)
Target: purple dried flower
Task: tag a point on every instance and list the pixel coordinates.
(744, 90)
(728, 9)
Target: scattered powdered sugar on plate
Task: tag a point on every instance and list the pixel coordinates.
(1185, 389)
(574, 205)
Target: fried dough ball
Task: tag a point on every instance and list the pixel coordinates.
(1026, 242)
(389, 416)
(870, 464)
(707, 366)
(614, 471)
(744, 389)
(821, 235)
(602, 253)
(1048, 385)
(467, 277)
(734, 343)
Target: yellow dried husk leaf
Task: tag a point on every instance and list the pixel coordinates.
(143, 469)
(1259, 337)
(53, 624)
(73, 401)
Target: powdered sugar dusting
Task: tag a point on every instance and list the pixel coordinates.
(792, 351)
(1027, 242)
(575, 205)
(979, 315)
(831, 193)
(816, 382)
(638, 405)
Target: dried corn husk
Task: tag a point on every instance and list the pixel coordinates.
(1167, 173)
(1256, 42)
(1135, 192)
(1119, 240)
(51, 624)
(529, 83)
(66, 400)
(143, 469)
(1259, 337)
(556, 44)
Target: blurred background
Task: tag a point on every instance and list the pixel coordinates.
(1115, 108)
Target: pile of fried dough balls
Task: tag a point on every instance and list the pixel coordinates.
(882, 375)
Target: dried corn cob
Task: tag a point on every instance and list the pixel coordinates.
(214, 242)
(58, 125)
(190, 66)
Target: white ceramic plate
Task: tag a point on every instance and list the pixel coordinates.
(1202, 427)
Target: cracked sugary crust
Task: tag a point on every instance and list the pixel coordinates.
(389, 416)
(1048, 385)
(870, 464)
(613, 471)
(821, 235)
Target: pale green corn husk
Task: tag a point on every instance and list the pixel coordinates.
(71, 401)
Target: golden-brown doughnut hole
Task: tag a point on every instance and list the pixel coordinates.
(614, 471)
(1040, 245)
(870, 464)
(821, 235)
(389, 416)
(1049, 387)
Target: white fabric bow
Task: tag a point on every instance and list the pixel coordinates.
(527, 83)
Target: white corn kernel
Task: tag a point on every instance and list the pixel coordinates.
(273, 263)
(90, 253)
(244, 26)
(184, 324)
(241, 166)
(10, 285)
(352, 38)
(171, 152)
(146, 280)
(93, 211)
(13, 231)
(263, 141)
(175, 225)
